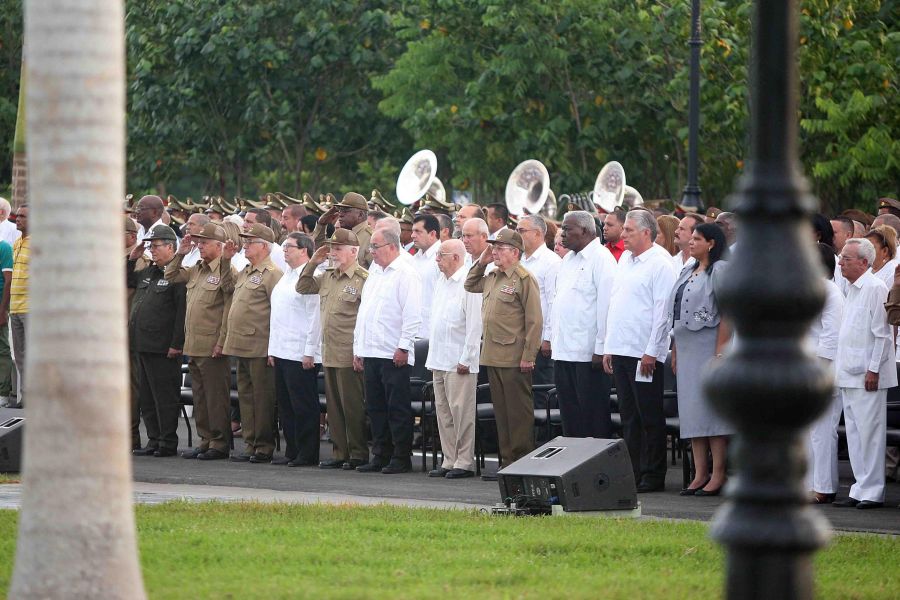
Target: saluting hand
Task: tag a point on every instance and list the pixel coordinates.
(486, 257)
(229, 250)
(319, 255)
(329, 217)
(136, 252)
(185, 245)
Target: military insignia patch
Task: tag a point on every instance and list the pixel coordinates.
(213, 279)
(162, 283)
(349, 289)
(256, 279)
(508, 289)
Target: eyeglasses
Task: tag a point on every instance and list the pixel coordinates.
(377, 246)
(521, 231)
(286, 246)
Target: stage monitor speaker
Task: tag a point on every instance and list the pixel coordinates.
(579, 474)
(12, 426)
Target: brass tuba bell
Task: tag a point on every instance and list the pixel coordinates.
(527, 188)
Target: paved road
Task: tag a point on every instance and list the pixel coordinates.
(179, 478)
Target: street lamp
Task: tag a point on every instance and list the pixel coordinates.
(691, 194)
(770, 387)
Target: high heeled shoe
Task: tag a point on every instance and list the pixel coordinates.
(709, 493)
(689, 491)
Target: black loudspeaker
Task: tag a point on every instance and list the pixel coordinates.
(12, 426)
(579, 474)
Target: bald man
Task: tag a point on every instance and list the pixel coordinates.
(148, 213)
(453, 358)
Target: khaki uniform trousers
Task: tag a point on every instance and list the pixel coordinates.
(256, 396)
(513, 410)
(454, 402)
(211, 386)
(346, 413)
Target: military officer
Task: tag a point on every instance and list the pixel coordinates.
(248, 340)
(156, 333)
(209, 284)
(512, 321)
(351, 213)
(340, 290)
(131, 230)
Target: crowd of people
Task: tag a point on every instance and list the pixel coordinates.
(592, 303)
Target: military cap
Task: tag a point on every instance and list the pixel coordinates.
(311, 205)
(211, 231)
(407, 216)
(258, 230)
(130, 225)
(273, 201)
(343, 237)
(162, 232)
(888, 203)
(508, 237)
(353, 200)
(713, 212)
(286, 200)
(216, 206)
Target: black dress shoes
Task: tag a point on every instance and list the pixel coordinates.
(352, 464)
(439, 472)
(192, 453)
(644, 487)
(145, 451)
(708, 493)
(459, 474)
(373, 466)
(864, 504)
(212, 454)
(689, 491)
(259, 458)
(489, 477)
(332, 463)
(164, 452)
(396, 467)
(846, 503)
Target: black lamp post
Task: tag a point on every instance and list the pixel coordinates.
(770, 388)
(691, 194)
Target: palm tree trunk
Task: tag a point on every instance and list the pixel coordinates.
(76, 528)
(20, 166)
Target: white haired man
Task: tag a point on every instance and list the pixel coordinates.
(865, 368)
(453, 358)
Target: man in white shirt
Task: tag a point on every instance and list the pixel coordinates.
(543, 263)
(583, 288)
(148, 213)
(8, 231)
(193, 226)
(864, 370)
(683, 234)
(843, 231)
(295, 352)
(636, 345)
(453, 357)
(425, 232)
(497, 217)
(384, 347)
(469, 211)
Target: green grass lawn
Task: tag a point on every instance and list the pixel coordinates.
(216, 550)
(9, 478)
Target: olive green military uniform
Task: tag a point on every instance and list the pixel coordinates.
(155, 325)
(140, 265)
(340, 293)
(511, 316)
(363, 234)
(248, 340)
(209, 289)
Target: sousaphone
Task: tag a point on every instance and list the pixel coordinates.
(418, 178)
(609, 188)
(527, 188)
(632, 198)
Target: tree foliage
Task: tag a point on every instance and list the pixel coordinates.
(233, 97)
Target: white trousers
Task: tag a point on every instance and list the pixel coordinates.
(822, 446)
(865, 416)
(454, 401)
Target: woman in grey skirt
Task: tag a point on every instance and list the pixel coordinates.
(699, 337)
